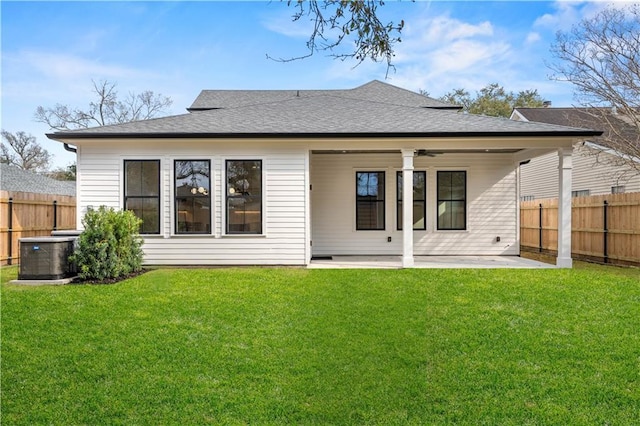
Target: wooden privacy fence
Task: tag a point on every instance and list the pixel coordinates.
(25, 214)
(605, 228)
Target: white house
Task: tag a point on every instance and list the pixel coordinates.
(280, 177)
(596, 168)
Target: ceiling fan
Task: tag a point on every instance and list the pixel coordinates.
(426, 153)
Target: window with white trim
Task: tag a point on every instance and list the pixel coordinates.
(452, 200)
(192, 196)
(419, 200)
(142, 192)
(370, 201)
(244, 196)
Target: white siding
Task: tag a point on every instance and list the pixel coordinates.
(491, 206)
(539, 178)
(100, 169)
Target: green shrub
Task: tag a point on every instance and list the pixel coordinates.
(109, 247)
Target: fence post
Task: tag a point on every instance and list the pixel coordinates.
(605, 233)
(540, 230)
(10, 231)
(55, 215)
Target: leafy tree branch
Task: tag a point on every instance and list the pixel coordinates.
(336, 22)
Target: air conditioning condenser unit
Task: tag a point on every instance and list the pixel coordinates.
(46, 258)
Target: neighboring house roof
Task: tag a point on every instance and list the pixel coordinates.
(599, 118)
(375, 109)
(14, 179)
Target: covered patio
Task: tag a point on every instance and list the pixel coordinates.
(426, 262)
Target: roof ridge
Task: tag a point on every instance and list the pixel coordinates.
(376, 81)
(381, 102)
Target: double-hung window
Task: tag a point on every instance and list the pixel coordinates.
(244, 196)
(142, 192)
(419, 200)
(452, 200)
(192, 196)
(370, 201)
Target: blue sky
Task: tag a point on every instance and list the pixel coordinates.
(52, 50)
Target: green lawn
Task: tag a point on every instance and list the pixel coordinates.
(296, 346)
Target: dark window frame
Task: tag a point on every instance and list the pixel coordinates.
(383, 201)
(618, 189)
(227, 197)
(144, 197)
(399, 200)
(580, 193)
(177, 230)
(439, 200)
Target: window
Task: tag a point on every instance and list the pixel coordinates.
(580, 193)
(369, 201)
(452, 200)
(193, 196)
(617, 189)
(142, 192)
(527, 198)
(419, 200)
(244, 196)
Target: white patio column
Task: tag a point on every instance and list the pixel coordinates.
(564, 208)
(407, 208)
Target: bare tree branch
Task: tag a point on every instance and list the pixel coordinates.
(601, 57)
(22, 150)
(105, 109)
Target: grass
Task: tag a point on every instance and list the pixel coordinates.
(296, 346)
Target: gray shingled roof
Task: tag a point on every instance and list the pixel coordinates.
(14, 179)
(374, 91)
(562, 116)
(598, 118)
(384, 110)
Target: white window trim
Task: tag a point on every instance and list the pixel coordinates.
(434, 218)
(426, 200)
(172, 188)
(121, 174)
(354, 208)
(223, 195)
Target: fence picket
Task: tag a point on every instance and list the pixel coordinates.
(605, 228)
(25, 214)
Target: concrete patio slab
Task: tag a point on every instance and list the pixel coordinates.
(453, 262)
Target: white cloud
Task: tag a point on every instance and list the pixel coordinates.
(282, 23)
(533, 37)
(70, 67)
(467, 55)
(442, 29)
(441, 53)
(569, 13)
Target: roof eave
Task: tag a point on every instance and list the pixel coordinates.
(183, 135)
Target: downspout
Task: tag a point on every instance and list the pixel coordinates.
(69, 148)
